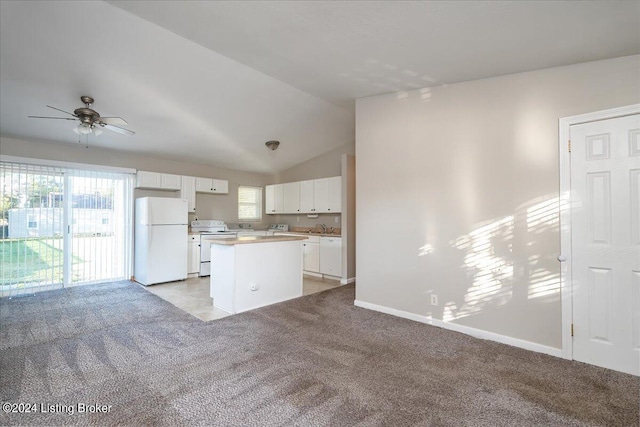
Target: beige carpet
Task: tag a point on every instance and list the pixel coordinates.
(314, 361)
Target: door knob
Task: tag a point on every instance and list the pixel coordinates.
(562, 258)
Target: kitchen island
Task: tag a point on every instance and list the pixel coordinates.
(255, 271)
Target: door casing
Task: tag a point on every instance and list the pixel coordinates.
(566, 288)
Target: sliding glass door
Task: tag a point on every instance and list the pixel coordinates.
(31, 224)
(98, 227)
(62, 227)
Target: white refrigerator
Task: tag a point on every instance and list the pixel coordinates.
(160, 253)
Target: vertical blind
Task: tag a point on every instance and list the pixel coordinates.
(62, 227)
(31, 224)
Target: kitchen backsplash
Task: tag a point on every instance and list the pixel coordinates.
(302, 221)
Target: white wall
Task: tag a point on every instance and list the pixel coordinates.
(457, 195)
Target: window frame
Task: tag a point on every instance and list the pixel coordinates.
(257, 204)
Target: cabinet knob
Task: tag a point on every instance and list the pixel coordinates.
(329, 209)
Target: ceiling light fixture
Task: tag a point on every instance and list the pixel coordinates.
(86, 129)
(272, 145)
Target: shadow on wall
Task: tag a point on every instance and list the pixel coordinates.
(494, 272)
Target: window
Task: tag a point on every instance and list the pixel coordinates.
(249, 203)
(32, 222)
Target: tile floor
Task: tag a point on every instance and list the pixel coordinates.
(192, 295)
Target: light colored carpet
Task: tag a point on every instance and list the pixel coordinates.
(313, 361)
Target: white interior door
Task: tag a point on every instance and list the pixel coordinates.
(605, 240)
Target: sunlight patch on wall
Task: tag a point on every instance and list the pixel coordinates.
(426, 249)
(488, 260)
(545, 214)
(544, 217)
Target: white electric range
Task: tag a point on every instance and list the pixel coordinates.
(209, 229)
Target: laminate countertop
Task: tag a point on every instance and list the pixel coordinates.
(254, 239)
(302, 233)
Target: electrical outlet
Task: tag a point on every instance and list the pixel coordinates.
(253, 286)
(297, 219)
(434, 299)
(335, 220)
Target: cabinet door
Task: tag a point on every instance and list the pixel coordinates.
(193, 256)
(278, 199)
(321, 195)
(204, 185)
(188, 191)
(306, 197)
(171, 182)
(273, 199)
(311, 257)
(269, 196)
(148, 180)
(291, 196)
(335, 194)
(331, 256)
(220, 186)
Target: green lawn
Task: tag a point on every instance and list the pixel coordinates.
(31, 261)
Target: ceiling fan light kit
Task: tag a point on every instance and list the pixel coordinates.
(90, 120)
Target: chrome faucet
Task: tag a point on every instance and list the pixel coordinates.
(324, 228)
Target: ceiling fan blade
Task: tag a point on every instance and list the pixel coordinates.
(114, 121)
(66, 112)
(117, 129)
(59, 118)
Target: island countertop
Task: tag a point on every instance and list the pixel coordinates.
(254, 239)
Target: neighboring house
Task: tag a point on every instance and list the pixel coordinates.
(49, 222)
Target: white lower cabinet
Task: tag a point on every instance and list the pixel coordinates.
(193, 256)
(311, 255)
(331, 256)
(320, 254)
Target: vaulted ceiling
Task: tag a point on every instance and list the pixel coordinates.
(210, 82)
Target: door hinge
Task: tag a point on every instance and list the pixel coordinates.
(572, 329)
(569, 145)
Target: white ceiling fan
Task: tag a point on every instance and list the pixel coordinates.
(90, 120)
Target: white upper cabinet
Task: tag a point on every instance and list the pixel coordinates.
(208, 185)
(313, 196)
(204, 185)
(188, 191)
(321, 195)
(307, 204)
(148, 179)
(291, 196)
(335, 194)
(166, 181)
(274, 199)
(220, 186)
(171, 182)
(158, 181)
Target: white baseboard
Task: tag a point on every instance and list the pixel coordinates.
(311, 274)
(477, 333)
(347, 281)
